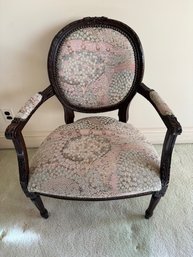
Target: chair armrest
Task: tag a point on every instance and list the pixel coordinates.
(162, 108)
(26, 112)
(173, 130)
(13, 132)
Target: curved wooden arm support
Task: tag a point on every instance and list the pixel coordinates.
(166, 156)
(173, 130)
(13, 132)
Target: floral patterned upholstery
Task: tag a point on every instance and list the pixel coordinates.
(96, 67)
(95, 157)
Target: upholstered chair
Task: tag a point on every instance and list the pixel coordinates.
(95, 65)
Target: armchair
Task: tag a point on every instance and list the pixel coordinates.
(95, 65)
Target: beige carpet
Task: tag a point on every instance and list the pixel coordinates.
(104, 229)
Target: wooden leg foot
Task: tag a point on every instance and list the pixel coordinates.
(153, 203)
(35, 198)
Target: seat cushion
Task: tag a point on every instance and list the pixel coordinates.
(95, 157)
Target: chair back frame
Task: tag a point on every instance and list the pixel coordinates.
(102, 22)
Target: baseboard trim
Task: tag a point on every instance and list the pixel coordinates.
(156, 136)
(32, 139)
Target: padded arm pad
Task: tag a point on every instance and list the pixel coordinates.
(162, 108)
(24, 114)
(159, 103)
(29, 106)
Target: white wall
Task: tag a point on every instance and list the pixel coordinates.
(164, 27)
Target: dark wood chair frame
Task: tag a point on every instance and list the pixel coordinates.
(14, 130)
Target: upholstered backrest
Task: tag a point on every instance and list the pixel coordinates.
(94, 67)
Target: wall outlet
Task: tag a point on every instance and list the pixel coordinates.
(7, 114)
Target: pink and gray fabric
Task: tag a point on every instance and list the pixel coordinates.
(96, 67)
(95, 157)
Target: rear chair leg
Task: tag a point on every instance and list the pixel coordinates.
(153, 203)
(35, 198)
